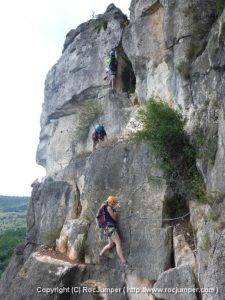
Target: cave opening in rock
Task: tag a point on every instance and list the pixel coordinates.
(126, 79)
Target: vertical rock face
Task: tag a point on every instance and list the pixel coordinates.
(146, 49)
(83, 57)
(171, 49)
(175, 32)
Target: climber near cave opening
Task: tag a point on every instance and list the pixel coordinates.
(107, 222)
(111, 69)
(98, 135)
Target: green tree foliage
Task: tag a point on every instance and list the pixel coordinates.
(8, 241)
(13, 212)
(12, 226)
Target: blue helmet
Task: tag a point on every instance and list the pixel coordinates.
(99, 128)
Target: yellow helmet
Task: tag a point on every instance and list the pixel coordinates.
(112, 200)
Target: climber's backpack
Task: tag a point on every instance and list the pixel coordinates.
(101, 219)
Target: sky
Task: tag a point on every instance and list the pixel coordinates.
(32, 35)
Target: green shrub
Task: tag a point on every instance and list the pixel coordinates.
(163, 129)
(89, 112)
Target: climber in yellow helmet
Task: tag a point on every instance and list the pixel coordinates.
(107, 221)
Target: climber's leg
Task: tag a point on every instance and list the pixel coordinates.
(117, 241)
(109, 246)
(104, 140)
(95, 142)
(113, 82)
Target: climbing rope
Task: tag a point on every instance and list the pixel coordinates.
(152, 219)
(148, 218)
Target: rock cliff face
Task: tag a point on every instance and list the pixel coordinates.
(172, 49)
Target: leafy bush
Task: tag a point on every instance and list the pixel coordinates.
(163, 128)
(89, 112)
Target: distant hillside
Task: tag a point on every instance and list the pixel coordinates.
(12, 226)
(13, 203)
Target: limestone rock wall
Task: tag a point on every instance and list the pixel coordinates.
(175, 50)
(146, 49)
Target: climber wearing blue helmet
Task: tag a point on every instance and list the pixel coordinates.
(98, 135)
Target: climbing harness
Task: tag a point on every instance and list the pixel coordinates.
(108, 231)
